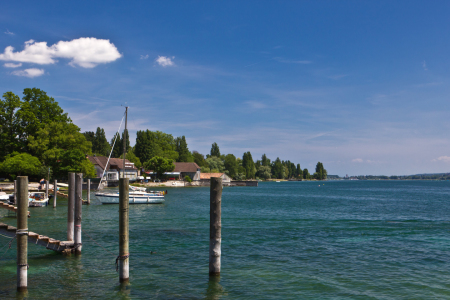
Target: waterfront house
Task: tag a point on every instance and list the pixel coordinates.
(182, 169)
(114, 168)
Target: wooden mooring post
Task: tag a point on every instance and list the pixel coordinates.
(215, 225)
(55, 193)
(46, 189)
(22, 233)
(124, 255)
(15, 192)
(88, 191)
(71, 207)
(78, 210)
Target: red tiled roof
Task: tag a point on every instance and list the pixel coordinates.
(209, 175)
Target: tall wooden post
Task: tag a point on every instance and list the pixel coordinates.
(55, 193)
(22, 233)
(46, 188)
(78, 208)
(71, 207)
(15, 192)
(88, 191)
(123, 258)
(215, 225)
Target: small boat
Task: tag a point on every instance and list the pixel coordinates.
(135, 197)
(4, 196)
(277, 181)
(37, 199)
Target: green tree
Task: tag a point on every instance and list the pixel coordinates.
(199, 159)
(277, 169)
(159, 165)
(306, 174)
(320, 171)
(216, 163)
(215, 150)
(74, 161)
(264, 172)
(249, 165)
(184, 155)
(100, 145)
(264, 160)
(299, 171)
(231, 165)
(133, 158)
(20, 164)
(9, 124)
(56, 140)
(155, 143)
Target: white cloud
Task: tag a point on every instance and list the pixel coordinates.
(357, 160)
(445, 159)
(144, 56)
(9, 32)
(12, 65)
(84, 52)
(165, 61)
(424, 65)
(29, 72)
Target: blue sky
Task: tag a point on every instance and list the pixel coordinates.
(362, 86)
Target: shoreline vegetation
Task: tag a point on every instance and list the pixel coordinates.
(40, 140)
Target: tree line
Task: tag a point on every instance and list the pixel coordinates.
(38, 137)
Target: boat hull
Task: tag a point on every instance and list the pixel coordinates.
(133, 199)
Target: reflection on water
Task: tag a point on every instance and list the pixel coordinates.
(215, 290)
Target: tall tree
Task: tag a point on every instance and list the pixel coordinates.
(299, 171)
(264, 160)
(277, 169)
(117, 146)
(249, 165)
(231, 165)
(9, 124)
(100, 144)
(215, 150)
(184, 155)
(320, 173)
(199, 159)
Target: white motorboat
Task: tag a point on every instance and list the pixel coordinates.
(4, 196)
(37, 199)
(135, 197)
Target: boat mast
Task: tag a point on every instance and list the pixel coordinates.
(125, 141)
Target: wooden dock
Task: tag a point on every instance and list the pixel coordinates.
(10, 207)
(41, 240)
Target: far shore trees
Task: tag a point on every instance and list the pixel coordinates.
(20, 164)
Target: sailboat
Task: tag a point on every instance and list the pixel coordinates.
(136, 195)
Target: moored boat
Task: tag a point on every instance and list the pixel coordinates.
(135, 197)
(37, 199)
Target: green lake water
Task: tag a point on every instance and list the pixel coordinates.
(287, 240)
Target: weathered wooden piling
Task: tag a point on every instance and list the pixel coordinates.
(123, 258)
(71, 207)
(15, 192)
(55, 193)
(88, 191)
(215, 226)
(46, 189)
(78, 210)
(22, 233)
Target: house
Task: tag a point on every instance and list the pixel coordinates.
(114, 167)
(182, 169)
(190, 169)
(207, 176)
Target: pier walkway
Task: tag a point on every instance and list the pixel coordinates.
(41, 240)
(10, 207)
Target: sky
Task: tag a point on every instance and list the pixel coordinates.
(361, 86)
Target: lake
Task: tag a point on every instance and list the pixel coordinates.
(287, 240)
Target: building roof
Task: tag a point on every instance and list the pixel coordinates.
(113, 162)
(186, 167)
(209, 175)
